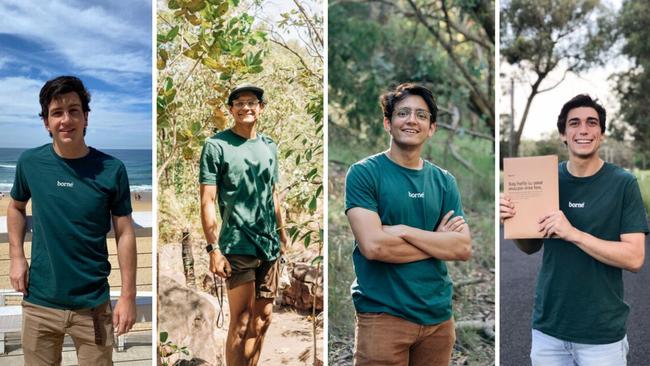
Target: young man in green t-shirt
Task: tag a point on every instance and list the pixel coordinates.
(579, 314)
(76, 192)
(407, 220)
(239, 172)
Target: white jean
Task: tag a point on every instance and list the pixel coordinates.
(550, 351)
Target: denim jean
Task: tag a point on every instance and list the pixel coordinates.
(550, 351)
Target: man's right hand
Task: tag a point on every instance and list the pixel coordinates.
(506, 207)
(19, 274)
(219, 264)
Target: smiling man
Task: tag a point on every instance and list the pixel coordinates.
(407, 220)
(239, 171)
(579, 314)
(76, 192)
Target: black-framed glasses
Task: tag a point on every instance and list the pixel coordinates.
(249, 104)
(420, 114)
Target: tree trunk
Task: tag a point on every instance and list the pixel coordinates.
(188, 260)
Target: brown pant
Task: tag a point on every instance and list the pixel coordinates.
(44, 329)
(386, 340)
(246, 268)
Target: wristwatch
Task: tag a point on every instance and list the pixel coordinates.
(210, 248)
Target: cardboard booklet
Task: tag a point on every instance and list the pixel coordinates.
(532, 184)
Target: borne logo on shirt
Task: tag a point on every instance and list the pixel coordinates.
(576, 204)
(416, 195)
(64, 184)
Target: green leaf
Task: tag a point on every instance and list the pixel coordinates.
(313, 204)
(161, 38)
(173, 4)
(211, 63)
(311, 173)
(317, 260)
(172, 33)
(307, 241)
(222, 9)
(164, 335)
(195, 5)
(236, 48)
(233, 2)
(168, 84)
(255, 69)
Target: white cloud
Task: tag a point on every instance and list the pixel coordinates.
(92, 39)
(20, 100)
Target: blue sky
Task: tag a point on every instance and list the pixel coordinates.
(105, 43)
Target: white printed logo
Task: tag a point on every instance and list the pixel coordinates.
(576, 205)
(64, 184)
(416, 195)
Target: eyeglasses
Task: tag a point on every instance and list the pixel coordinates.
(420, 114)
(251, 104)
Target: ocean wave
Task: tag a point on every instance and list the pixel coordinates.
(9, 166)
(141, 188)
(6, 187)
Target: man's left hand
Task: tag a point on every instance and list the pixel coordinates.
(123, 315)
(394, 230)
(556, 225)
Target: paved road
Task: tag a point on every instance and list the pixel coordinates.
(518, 277)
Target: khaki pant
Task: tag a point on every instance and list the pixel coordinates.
(386, 340)
(44, 329)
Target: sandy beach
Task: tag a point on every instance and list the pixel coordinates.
(141, 204)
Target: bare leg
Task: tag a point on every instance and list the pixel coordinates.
(241, 300)
(257, 329)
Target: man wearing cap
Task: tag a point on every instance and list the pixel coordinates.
(239, 172)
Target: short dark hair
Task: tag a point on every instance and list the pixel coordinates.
(581, 100)
(62, 85)
(389, 99)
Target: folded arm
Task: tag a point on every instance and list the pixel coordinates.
(376, 244)
(443, 245)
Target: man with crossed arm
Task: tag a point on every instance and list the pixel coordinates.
(407, 220)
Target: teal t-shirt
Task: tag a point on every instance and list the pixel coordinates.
(72, 204)
(579, 299)
(244, 171)
(418, 291)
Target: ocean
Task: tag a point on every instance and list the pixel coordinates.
(137, 162)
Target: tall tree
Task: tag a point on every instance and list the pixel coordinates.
(633, 84)
(539, 37)
(445, 45)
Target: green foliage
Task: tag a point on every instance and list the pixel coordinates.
(633, 84)
(205, 48)
(539, 37)
(375, 46)
(167, 349)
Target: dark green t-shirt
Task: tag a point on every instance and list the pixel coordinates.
(418, 291)
(244, 171)
(579, 299)
(72, 204)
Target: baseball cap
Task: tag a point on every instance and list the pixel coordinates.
(259, 92)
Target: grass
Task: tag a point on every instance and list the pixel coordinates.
(643, 177)
(470, 302)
